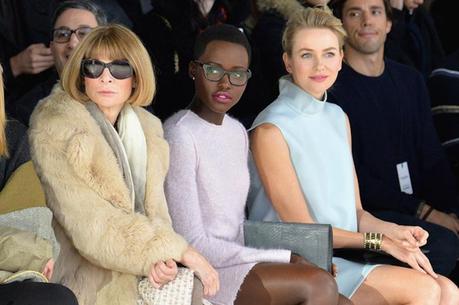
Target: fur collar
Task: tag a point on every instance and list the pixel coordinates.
(283, 7)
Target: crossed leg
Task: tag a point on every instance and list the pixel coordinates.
(392, 285)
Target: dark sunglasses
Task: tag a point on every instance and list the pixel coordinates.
(63, 34)
(93, 68)
(215, 73)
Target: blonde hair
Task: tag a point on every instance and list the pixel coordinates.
(3, 141)
(312, 18)
(115, 42)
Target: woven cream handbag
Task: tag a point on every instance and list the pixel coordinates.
(176, 292)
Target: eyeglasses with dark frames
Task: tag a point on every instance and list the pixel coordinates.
(93, 68)
(215, 73)
(63, 34)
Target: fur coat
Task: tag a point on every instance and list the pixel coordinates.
(105, 245)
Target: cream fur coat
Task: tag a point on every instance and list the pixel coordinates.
(105, 245)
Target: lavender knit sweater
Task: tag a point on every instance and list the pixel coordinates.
(206, 191)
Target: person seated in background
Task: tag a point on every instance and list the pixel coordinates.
(23, 255)
(443, 86)
(413, 39)
(403, 173)
(24, 43)
(268, 67)
(303, 172)
(208, 149)
(24, 51)
(71, 21)
(102, 161)
(267, 34)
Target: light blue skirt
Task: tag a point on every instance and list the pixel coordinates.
(351, 275)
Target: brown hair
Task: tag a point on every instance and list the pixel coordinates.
(338, 5)
(116, 42)
(317, 17)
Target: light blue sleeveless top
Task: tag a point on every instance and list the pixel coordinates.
(316, 134)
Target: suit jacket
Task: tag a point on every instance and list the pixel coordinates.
(105, 245)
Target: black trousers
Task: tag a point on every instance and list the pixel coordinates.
(31, 293)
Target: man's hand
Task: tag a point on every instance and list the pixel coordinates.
(33, 60)
(449, 221)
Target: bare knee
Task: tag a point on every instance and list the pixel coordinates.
(449, 291)
(322, 288)
(428, 291)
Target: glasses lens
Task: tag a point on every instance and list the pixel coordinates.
(216, 73)
(62, 35)
(239, 78)
(213, 73)
(82, 32)
(120, 69)
(92, 68)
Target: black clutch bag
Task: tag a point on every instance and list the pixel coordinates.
(314, 242)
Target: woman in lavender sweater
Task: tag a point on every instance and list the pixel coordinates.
(208, 181)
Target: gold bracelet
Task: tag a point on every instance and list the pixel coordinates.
(372, 241)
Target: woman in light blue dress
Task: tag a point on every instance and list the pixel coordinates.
(302, 171)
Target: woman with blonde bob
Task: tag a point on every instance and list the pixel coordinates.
(303, 171)
(102, 161)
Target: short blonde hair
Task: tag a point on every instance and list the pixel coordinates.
(312, 18)
(116, 42)
(3, 141)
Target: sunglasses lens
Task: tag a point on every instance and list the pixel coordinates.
(92, 68)
(121, 69)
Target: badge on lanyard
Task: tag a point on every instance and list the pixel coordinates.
(404, 178)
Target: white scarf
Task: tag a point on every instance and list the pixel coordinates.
(130, 149)
(133, 138)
